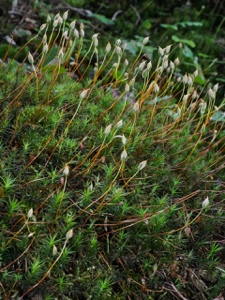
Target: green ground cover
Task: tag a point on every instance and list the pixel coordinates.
(112, 169)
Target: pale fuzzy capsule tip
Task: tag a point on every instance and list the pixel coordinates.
(118, 42)
(60, 19)
(142, 165)
(76, 33)
(84, 94)
(65, 15)
(108, 129)
(161, 51)
(95, 36)
(69, 234)
(145, 40)
(65, 34)
(30, 58)
(185, 98)
(124, 139)
(30, 213)
(55, 23)
(49, 19)
(172, 66)
(81, 32)
(195, 73)
(177, 61)
(108, 47)
(54, 250)
(185, 79)
(167, 49)
(95, 39)
(66, 170)
(205, 203)
(45, 49)
(42, 27)
(149, 65)
(142, 65)
(60, 54)
(212, 93)
(136, 106)
(44, 39)
(118, 50)
(72, 24)
(119, 124)
(126, 62)
(124, 155)
(215, 88)
(127, 88)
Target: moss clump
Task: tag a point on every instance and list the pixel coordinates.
(111, 179)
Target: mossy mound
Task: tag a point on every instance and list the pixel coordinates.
(111, 176)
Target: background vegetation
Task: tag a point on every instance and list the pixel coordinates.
(196, 30)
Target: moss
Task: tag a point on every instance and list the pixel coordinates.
(103, 178)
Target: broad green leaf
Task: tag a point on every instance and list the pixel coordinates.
(147, 24)
(51, 68)
(203, 55)
(184, 41)
(189, 24)
(51, 55)
(219, 116)
(132, 47)
(220, 79)
(169, 26)
(182, 24)
(117, 75)
(103, 19)
(187, 52)
(200, 80)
